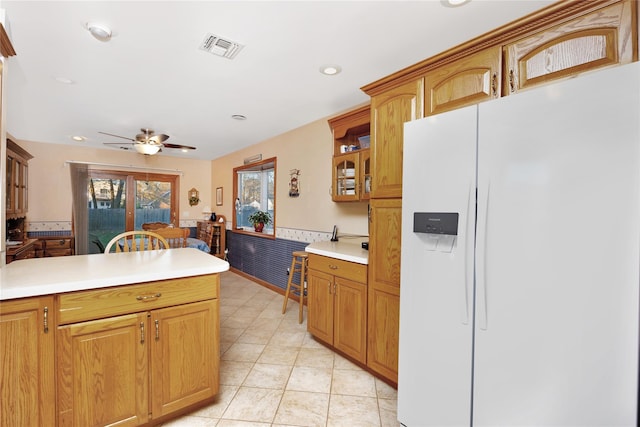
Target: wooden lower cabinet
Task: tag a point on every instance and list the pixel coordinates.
(184, 367)
(57, 246)
(103, 374)
(385, 230)
(135, 368)
(26, 372)
(337, 304)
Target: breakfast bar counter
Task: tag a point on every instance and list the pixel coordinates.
(139, 330)
(42, 276)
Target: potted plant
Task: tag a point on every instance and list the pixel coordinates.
(259, 219)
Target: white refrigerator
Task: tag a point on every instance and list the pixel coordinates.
(520, 259)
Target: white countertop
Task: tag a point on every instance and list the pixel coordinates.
(346, 251)
(44, 276)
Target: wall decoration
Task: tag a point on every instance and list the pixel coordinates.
(219, 196)
(194, 197)
(294, 190)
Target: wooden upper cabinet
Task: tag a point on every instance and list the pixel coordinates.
(389, 112)
(351, 179)
(601, 38)
(467, 81)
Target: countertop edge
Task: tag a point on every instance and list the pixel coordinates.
(343, 251)
(49, 276)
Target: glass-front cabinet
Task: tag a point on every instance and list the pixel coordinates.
(351, 175)
(17, 180)
(346, 180)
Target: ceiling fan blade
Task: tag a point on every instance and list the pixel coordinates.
(117, 136)
(185, 147)
(159, 138)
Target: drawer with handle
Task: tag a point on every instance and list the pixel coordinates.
(337, 267)
(107, 302)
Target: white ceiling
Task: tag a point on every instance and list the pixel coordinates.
(153, 74)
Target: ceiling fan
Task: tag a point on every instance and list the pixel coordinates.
(147, 142)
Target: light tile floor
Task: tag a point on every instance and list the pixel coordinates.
(273, 373)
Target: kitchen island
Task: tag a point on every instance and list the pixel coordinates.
(129, 338)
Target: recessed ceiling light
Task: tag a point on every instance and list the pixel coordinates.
(99, 31)
(79, 138)
(453, 3)
(330, 70)
(239, 117)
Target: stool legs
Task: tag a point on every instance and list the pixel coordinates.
(298, 264)
(286, 294)
(303, 273)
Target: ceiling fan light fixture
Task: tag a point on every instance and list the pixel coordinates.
(148, 149)
(99, 31)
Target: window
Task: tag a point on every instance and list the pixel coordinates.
(254, 190)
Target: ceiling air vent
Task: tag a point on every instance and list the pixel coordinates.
(221, 47)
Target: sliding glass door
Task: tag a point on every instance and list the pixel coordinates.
(123, 201)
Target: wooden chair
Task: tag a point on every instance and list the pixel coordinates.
(175, 236)
(204, 232)
(133, 241)
(150, 226)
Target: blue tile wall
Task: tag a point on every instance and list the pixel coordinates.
(50, 233)
(265, 259)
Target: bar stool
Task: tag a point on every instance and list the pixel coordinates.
(298, 265)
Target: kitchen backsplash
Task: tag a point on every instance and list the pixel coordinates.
(64, 227)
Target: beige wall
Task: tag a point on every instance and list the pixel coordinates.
(309, 149)
(50, 184)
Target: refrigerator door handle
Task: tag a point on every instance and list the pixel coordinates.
(481, 259)
(468, 266)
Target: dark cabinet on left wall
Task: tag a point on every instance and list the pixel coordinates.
(17, 180)
(18, 245)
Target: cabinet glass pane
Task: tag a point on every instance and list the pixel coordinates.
(346, 177)
(16, 186)
(24, 186)
(10, 184)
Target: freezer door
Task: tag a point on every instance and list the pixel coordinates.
(434, 378)
(557, 254)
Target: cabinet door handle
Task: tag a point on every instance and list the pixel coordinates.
(494, 85)
(141, 332)
(46, 320)
(157, 323)
(148, 297)
(329, 287)
(333, 267)
(512, 81)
